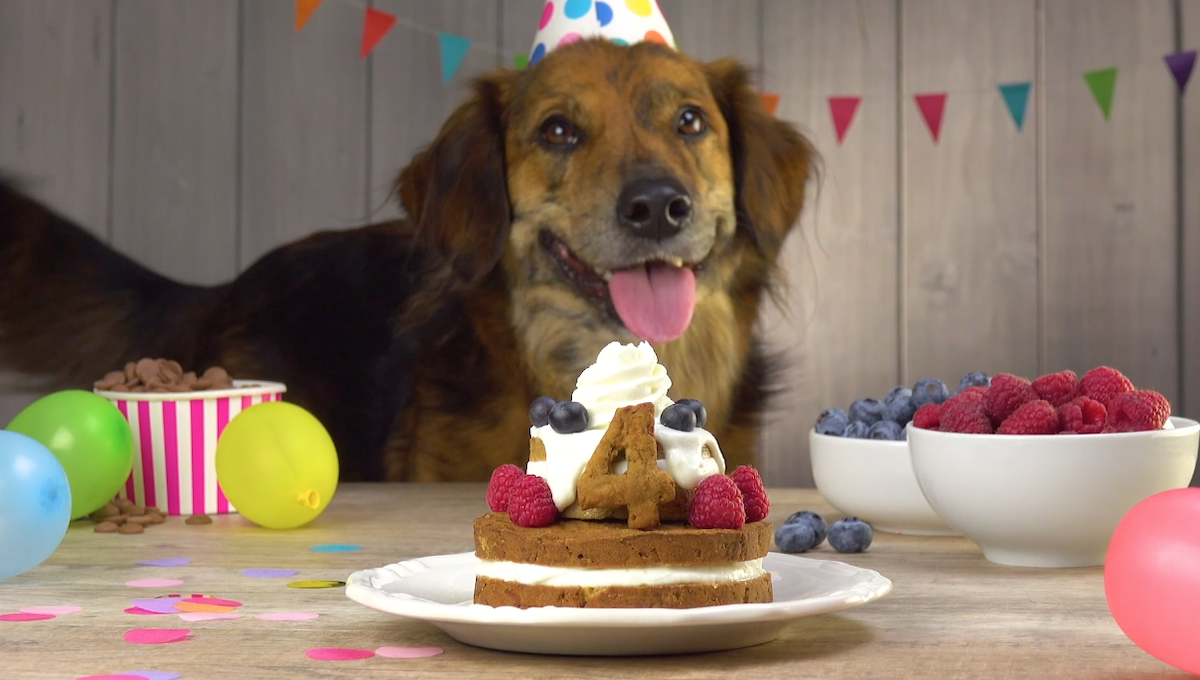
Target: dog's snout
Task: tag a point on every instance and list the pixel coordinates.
(654, 208)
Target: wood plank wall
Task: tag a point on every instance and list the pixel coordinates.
(197, 136)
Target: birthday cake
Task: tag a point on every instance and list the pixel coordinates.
(624, 502)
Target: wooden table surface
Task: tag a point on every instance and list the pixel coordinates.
(951, 614)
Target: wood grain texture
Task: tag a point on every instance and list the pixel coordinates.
(409, 101)
(950, 614)
(970, 199)
(715, 29)
(304, 125)
(837, 332)
(1190, 203)
(176, 137)
(1111, 287)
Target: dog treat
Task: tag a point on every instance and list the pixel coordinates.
(129, 528)
(125, 517)
(643, 487)
(163, 375)
(196, 520)
(106, 528)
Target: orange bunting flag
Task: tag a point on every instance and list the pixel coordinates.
(376, 24)
(770, 100)
(304, 10)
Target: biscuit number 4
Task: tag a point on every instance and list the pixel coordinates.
(641, 488)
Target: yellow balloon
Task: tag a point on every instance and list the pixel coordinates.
(277, 465)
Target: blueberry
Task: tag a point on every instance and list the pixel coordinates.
(679, 417)
(833, 421)
(975, 379)
(568, 417)
(886, 429)
(900, 410)
(850, 535)
(868, 411)
(695, 405)
(857, 430)
(812, 519)
(539, 411)
(795, 538)
(895, 393)
(929, 391)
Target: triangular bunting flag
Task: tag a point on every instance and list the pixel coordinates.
(932, 107)
(842, 109)
(376, 24)
(1016, 96)
(1181, 65)
(770, 100)
(454, 49)
(304, 10)
(1102, 83)
(521, 61)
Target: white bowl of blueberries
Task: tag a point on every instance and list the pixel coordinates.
(861, 462)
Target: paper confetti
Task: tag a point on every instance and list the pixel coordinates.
(288, 616)
(270, 573)
(53, 610)
(116, 676)
(335, 548)
(154, 583)
(209, 616)
(195, 608)
(156, 636)
(166, 562)
(160, 605)
(142, 612)
(157, 675)
(22, 616)
(408, 652)
(216, 601)
(338, 654)
(316, 584)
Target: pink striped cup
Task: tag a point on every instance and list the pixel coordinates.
(175, 443)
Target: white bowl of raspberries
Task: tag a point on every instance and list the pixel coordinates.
(1039, 473)
(861, 464)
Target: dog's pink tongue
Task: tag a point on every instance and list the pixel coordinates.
(655, 301)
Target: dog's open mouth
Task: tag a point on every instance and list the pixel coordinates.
(654, 299)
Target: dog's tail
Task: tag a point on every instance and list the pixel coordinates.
(72, 309)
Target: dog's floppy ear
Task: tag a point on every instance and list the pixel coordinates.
(771, 160)
(455, 190)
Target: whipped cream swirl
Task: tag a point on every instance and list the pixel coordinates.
(623, 375)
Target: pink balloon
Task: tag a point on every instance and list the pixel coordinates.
(1152, 576)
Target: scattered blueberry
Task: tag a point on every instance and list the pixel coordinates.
(795, 538)
(539, 411)
(929, 391)
(900, 410)
(869, 411)
(975, 379)
(886, 429)
(568, 417)
(857, 430)
(850, 535)
(679, 417)
(895, 393)
(812, 519)
(833, 422)
(698, 408)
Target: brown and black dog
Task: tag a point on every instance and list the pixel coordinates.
(607, 193)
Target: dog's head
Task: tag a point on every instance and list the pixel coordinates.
(617, 189)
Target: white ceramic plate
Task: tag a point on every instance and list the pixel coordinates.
(440, 589)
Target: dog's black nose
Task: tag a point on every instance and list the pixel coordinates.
(654, 208)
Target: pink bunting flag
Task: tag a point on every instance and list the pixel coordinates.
(932, 107)
(842, 109)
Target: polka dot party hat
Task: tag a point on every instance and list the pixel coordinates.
(622, 21)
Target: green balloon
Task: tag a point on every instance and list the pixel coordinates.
(90, 438)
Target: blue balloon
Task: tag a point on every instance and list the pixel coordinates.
(35, 503)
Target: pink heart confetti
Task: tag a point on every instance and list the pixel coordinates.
(408, 652)
(154, 583)
(114, 676)
(213, 601)
(166, 562)
(338, 654)
(142, 612)
(26, 617)
(156, 675)
(55, 609)
(288, 616)
(159, 605)
(209, 616)
(269, 573)
(156, 636)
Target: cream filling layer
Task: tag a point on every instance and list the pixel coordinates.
(586, 577)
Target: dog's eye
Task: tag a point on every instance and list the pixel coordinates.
(558, 131)
(691, 122)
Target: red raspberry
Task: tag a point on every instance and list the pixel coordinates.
(500, 486)
(1082, 415)
(1057, 388)
(1035, 417)
(927, 417)
(964, 413)
(1007, 394)
(530, 503)
(717, 504)
(754, 496)
(1103, 383)
(1138, 411)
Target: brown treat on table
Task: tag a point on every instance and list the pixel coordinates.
(156, 518)
(196, 520)
(118, 519)
(141, 519)
(106, 528)
(109, 510)
(130, 528)
(643, 487)
(137, 509)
